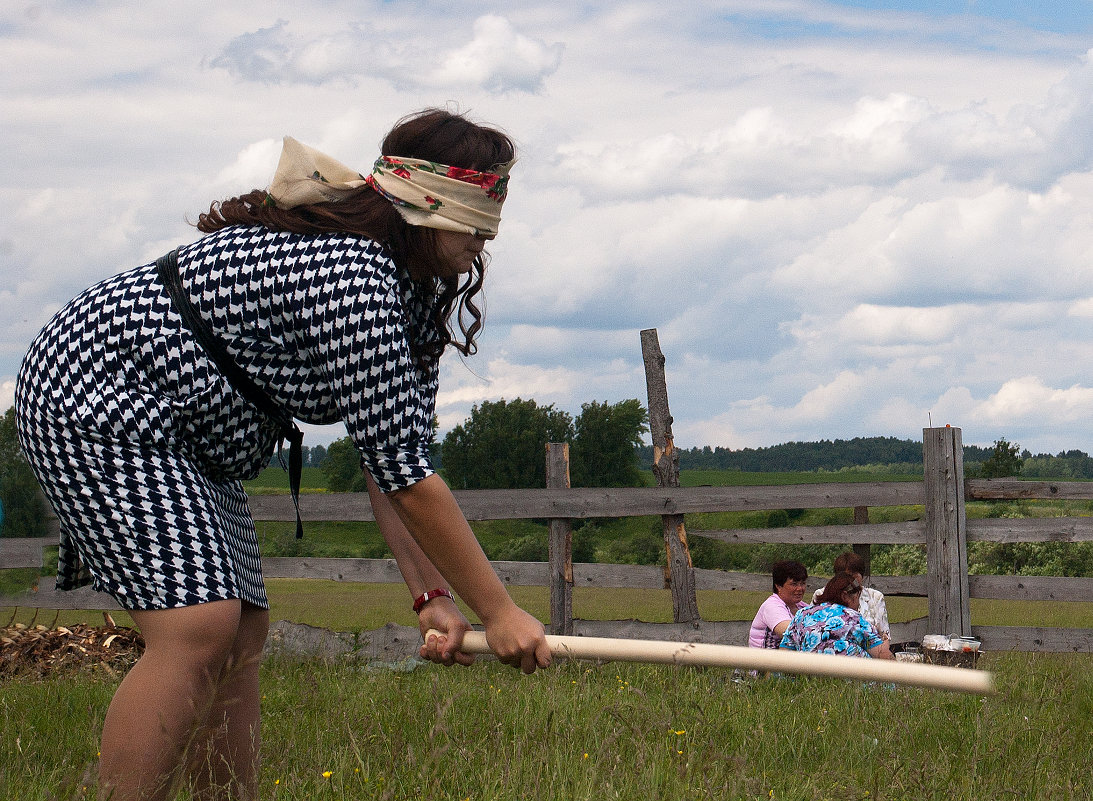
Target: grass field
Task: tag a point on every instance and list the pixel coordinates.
(274, 480)
(361, 607)
(616, 731)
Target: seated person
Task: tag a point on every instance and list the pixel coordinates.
(871, 605)
(788, 578)
(834, 626)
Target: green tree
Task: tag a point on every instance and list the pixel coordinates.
(318, 456)
(342, 467)
(502, 445)
(1005, 460)
(604, 450)
(24, 509)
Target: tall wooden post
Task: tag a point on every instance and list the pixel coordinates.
(946, 532)
(681, 574)
(560, 547)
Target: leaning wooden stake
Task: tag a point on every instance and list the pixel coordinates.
(963, 680)
(681, 572)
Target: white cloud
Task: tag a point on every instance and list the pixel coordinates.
(840, 233)
(253, 167)
(1028, 399)
(503, 379)
(1083, 307)
(895, 325)
(498, 58)
(7, 393)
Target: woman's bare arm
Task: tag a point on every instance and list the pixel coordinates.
(881, 651)
(417, 571)
(430, 514)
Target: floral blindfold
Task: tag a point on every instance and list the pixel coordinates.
(424, 193)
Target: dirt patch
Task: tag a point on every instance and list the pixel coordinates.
(40, 651)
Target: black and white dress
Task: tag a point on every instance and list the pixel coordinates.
(140, 443)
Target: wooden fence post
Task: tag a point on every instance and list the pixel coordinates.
(864, 550)
(560, 548)
(946, 531)
(681, 573)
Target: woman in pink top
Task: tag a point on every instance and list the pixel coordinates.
(789, 579)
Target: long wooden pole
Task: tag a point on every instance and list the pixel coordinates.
(938, 677)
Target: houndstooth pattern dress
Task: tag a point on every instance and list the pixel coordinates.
(140, 443)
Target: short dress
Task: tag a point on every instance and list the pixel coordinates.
(140, 443)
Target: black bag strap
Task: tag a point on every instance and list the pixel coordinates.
(167, 269)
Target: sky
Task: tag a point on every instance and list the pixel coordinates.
(842, 218)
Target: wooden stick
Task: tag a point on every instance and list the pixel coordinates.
(964, 680)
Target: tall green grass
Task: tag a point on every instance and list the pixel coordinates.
(618, 731)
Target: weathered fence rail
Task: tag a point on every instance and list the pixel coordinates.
(947, 594)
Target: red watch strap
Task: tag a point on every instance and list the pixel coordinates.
(425, 597)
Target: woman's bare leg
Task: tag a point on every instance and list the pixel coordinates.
(225, 757)
(165, 698)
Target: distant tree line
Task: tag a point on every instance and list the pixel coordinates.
(1065, 464)
(825, 454)
(880, 454)
(903, 455)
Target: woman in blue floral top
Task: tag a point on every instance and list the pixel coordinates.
(833, 624)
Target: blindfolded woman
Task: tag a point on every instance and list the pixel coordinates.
(142, 405)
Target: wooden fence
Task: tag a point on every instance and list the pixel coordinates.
(943, 529)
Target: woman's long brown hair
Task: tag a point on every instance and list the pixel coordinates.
(434, 135)
(833, 591)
